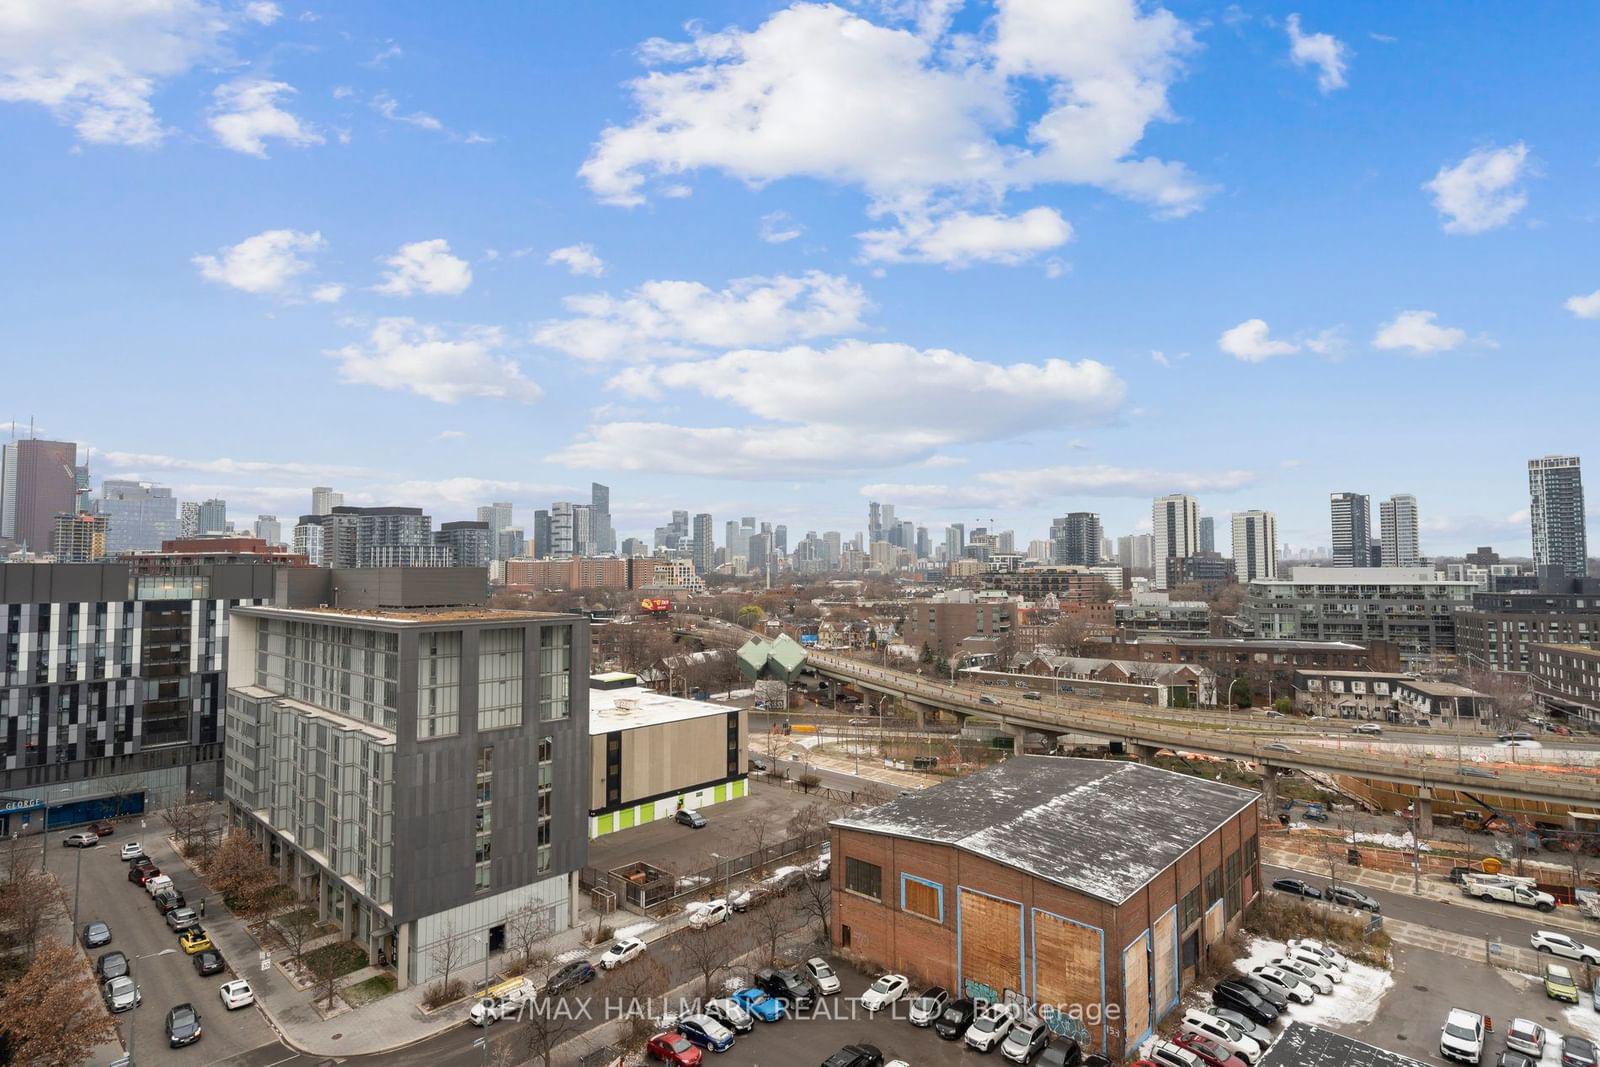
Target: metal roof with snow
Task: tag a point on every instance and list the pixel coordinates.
(1104, 828)
(1303, 1045)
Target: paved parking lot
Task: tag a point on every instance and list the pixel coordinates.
(138, 929)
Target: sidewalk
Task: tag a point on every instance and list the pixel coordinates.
(1565, 917)
(397, 1020)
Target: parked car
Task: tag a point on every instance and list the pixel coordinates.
(755, 896)
(1507, 1058)
(1245, 1025)
(673, 1049)
(103, 828)
(1297, 888)
(168, 900)
(708, 914)
(180, 919)
(1061, 1052)
(989, 1027)
(183, 1026)
(1327, 952)
(729, 1013)
(572, 975)
(1461, 1037)
(1236, 996)
(1559, 983)
(759, 1005)
(1161, 1053)
(1351, 898)
(756, 764)
(1314, 977)
(690, 818)
(237, 994)
(160, 883)
(131, 850)
(822, 976)
(1316, 961)
(194, 940)
(1564, 946)
(120, 994)
(141, 874)
(1209, 1052)
(96, 934)
(209, 962)
(855, 1056)
(1525, 1035)
(929, 1005)
(786, 986)
(1025, 1040)
(1293, 986)
(1578, 1051)
(885, 991)
(621, 951)
(111, 965)
(1223, 1033)
(81, 839)
(818, 868)
(954, 1020)
(1267, 991)
(706, 1032)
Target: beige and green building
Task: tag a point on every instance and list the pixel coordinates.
(652, 755)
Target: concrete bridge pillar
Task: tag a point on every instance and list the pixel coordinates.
(1143, 753)
(1269, 789)
(1424, 810)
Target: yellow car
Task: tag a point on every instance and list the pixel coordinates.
(194, 940)
(1559, 983)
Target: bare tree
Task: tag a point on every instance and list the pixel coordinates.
(526, 930)
(759, 832)
(768, 924)
(325, 971)
(299, 926)
(634, 990)
(707, 953)
(816, 902)
(191, 822)
(27, 896)
(1069, 634)
(447, 954)
(53, 1013)
(548, 1022)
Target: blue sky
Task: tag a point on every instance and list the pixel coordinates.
(984, 261)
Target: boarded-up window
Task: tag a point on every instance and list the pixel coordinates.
(1214, 923)
(1136, 989)
(922, 898)
(1164, 961)
(1068, 976)
(991, 945)
(863, 877)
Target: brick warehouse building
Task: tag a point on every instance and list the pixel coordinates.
(1087, 889)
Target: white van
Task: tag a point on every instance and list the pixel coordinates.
(157, 884)
(502, 1001)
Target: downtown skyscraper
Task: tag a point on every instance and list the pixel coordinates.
(1555, 509)
(1175, 535)
(1399, 544)
(1352, 529)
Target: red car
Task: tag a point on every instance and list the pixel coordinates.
(141, 875)
(674, 1049)
(1210, 1053)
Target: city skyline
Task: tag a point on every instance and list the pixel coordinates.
(503, 288)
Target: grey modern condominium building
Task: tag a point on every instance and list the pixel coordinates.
(1555, 508)
(420, 774)
(1075, 539)
(111, 686)
(1352, 529)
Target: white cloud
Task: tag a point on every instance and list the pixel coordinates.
(1017, 488)
(224, 465)
(962, 239)
(425, 267)
(263, 11)
(578, 259)
(245, 113)
(390, 50)
(328, 294)
(403, 354)
(926, 126)
(343, 92)
(853, 406)
(1419, 332)
(1585, 307)
(1250, 341)
(777, 227)
(1321, 50)
(677, 318)
(389, 108)
(265, 263)
(1483, 191)
(95, 64)
(452, 435)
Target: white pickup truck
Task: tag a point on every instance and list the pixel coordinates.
(1511, 890)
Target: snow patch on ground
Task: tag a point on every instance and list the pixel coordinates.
(571, 955)
(636, 929)
(1400, 841)
(1583, 1019)
(1352, 1002)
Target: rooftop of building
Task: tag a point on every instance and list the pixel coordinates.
(404, 616)
(630, 707)
(1571, 650)
(1104, 828)
(1320, 673)
(1244, 643)
(1303, 1045)
(1439, 689)
(1361, 576)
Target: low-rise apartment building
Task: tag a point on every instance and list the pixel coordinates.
(1158, 613)
(1566, 681)
(419, 774)
(1268, 667)
(943, 622)
(1501, 629)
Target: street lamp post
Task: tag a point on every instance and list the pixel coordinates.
(133, 1031)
